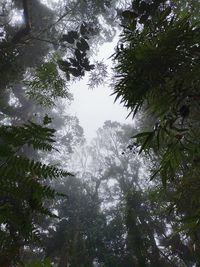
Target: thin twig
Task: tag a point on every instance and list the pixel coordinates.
(43, 40)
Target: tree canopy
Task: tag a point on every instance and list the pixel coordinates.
(130, 197)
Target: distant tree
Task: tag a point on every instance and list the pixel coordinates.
(111, 216)
(75, 237)
(126, 194)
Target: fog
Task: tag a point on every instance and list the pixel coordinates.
(93, 106)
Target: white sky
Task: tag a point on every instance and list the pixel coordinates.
(93, 107)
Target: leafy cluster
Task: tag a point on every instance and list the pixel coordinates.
(22, 187)
(158, 71)
(46, 85)
(79, 63)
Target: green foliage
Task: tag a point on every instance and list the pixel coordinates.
(46, 85)
(45, 263)
(30, 134)
(158, 71)
(23, 191)
(10, 71)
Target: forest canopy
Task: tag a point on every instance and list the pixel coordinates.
(130, 197)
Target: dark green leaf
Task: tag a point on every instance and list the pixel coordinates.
(83, 45)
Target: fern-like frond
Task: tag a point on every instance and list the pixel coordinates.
(23, 190)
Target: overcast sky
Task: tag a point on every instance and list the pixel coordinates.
(93, 107)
